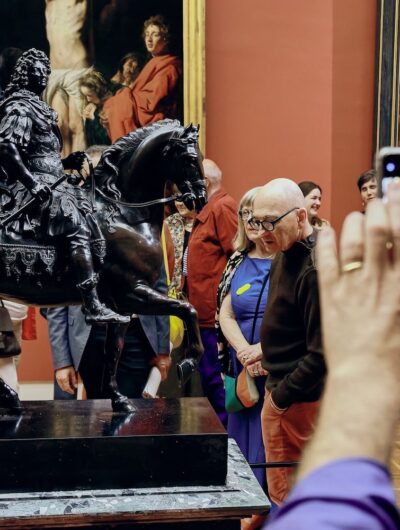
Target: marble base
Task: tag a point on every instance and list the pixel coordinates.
(197, 507)
(79, 445)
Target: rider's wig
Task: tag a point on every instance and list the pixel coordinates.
(23, 67)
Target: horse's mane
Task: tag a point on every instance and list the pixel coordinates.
(107, 170)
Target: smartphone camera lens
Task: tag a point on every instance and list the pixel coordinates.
(390, 167)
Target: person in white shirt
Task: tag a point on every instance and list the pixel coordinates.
(8, 365)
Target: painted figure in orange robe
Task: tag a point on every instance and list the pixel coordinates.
(154, 93)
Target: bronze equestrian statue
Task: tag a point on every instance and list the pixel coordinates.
(30, 125)
(46, 247)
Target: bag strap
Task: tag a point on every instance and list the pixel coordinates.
(258, 305)
(165, 255)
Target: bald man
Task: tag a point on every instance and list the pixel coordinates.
(290, 331)
(210, 246)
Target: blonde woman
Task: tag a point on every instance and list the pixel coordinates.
(242, 297)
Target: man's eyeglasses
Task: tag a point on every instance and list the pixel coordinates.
(245, 214)
(268, 226)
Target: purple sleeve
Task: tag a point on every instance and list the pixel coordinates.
(348, 494)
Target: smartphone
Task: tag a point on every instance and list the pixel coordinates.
(387, 164)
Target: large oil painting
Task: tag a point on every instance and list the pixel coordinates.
(117, 65)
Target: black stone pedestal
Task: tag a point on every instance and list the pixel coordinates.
(180, 508)
(78, 445)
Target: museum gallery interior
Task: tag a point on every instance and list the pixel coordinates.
(143, 146)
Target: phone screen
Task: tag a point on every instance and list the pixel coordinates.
(388, 167)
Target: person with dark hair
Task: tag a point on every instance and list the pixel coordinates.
(129, 68)
(313, 194)
(29, 125)
(154, 94)
(368, 187)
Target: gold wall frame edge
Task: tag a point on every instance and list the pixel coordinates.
(194, 84)
(386, 123)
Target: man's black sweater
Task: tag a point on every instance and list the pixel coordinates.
(291, 328)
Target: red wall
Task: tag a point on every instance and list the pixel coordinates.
(290, 91)
(353, 101)
(36, 363)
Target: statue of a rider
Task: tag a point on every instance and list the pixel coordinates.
(29, 133)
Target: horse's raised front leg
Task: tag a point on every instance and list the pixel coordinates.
(115, 340)
(147, 301)
(9, 399)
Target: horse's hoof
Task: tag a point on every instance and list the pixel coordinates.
(123, 404)
(185, 369)
(9, 400)
(12, 403)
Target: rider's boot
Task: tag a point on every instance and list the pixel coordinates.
(95, 312)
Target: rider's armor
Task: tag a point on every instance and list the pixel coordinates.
(31, 125)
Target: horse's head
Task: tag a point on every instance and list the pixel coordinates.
(186, 167)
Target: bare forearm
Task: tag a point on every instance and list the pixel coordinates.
(230, 327)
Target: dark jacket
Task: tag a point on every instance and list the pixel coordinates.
(291, 328)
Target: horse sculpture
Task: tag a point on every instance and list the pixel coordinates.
(126, 196)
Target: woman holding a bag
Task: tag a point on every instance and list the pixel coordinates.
(242, 297)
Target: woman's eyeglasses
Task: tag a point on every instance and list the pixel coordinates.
(245, 214)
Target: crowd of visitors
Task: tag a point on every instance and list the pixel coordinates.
(278, 307)
(250, 272)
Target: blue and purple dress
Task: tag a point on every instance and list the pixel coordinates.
(245, 426)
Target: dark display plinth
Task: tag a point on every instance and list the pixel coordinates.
(69, 445)
(183, 508)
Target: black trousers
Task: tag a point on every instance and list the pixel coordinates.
(133, 368)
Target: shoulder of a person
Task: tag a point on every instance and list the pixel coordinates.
(224, 202)
(236, 256)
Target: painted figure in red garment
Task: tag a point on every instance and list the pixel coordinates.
(154, 93)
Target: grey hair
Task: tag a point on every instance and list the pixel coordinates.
(241, 241)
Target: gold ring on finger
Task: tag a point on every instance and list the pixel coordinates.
(352, 266)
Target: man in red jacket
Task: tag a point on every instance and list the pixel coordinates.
(210, 246)
(154, 94)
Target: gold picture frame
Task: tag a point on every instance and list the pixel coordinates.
(386, 126)
(194, 65)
